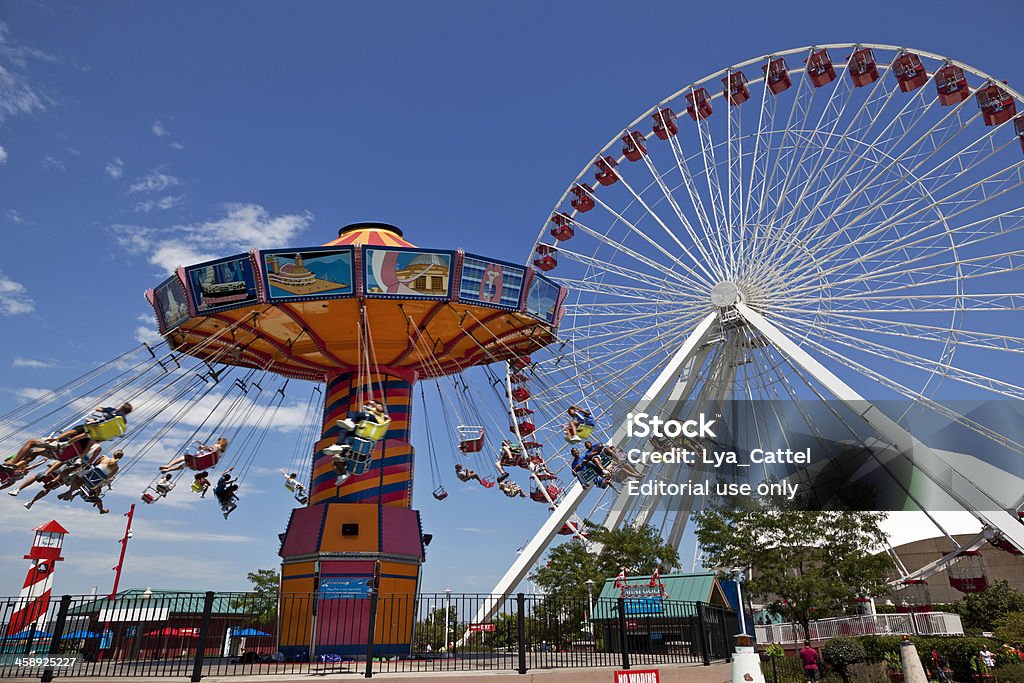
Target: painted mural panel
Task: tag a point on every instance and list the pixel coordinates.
(171, 304)
(491, 283)
(222, 284)
(407, 273)
(542, 299)
(307, 274)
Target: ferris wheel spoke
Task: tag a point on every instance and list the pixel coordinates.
(799, 172)
(628, 274)
(734, 173)
(925, 365)
(929, 303)
(982, 189)
(711, 236)
(757, 185)
(908, 163)
(919, 398)
(895, 132)
(721, 224)
(699, 263)
(976, 232)
(820, 180)
(928, 333)
(636, 231)
(706, 260)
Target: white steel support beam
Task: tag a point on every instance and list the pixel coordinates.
(945, 476)
(539, 543)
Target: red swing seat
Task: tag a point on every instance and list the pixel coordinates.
(203, 459)
(440, 493)
(471, 438)
(148, 498)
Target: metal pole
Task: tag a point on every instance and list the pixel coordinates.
(521, 619)
(58, 633)
(204, 628)
(374, 596)
(739, 602)
(623, 639)
(117, 574)
(447, 611)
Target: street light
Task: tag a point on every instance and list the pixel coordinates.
(738, 573)
(447, 611)
(590, 606)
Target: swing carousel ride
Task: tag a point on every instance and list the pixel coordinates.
(368, 315)
(834, 225)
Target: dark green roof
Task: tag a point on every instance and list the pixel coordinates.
(681, 591)
(178, 602)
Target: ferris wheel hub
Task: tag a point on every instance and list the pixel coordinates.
(725, 294)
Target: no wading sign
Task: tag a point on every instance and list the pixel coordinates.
(637, 676)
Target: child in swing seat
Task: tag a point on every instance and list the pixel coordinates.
(201, 483)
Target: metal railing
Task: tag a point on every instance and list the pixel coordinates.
(157, 634)
(919, 623)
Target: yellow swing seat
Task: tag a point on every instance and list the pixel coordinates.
(106, 430)
(373, 430)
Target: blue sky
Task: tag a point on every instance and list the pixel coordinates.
(136, 136)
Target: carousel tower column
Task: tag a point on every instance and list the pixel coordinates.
(352, 536)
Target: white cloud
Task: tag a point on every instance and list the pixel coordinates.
(159, 129)
(115, 168)
(147, 333)
(162, 204)
(20, 362)
(242, 227)
(53, 164)
(14, 298)
(18, 94)
(32, 393)
(15, 217)
(154, 181)
(177, 145)
(3, 155)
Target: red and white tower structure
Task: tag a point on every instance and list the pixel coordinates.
(34, 598)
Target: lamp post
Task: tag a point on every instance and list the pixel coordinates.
(738, 573)
(590, 607)
(447, 611)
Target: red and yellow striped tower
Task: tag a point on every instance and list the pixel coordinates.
(34, 599)
(369, 314)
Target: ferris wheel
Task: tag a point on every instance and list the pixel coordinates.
(838, 223)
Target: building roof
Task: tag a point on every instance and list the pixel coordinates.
(177, 602)
(52, 526)
(679, 588)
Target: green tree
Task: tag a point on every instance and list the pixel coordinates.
(1009, 628)
(809, 564)
(980, 611)
(640, 550)
(431, 630)
(261, 601)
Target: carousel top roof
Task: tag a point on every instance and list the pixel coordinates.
(372, 233)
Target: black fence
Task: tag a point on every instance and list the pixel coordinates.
(155, 634)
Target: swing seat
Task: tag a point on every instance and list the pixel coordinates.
(375, 431)
(106, 430)
(362, 448)
(72, 451)
(471, 438)
(566, 530)
(586, 475)
(290, 486)
(148, 498)
(487, 483)
(202, 459)
(94, 477)
(196, 487)
(440, 493)
(547, 476)
(520, 363)
(583, 431)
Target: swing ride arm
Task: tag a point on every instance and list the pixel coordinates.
(533, 550)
